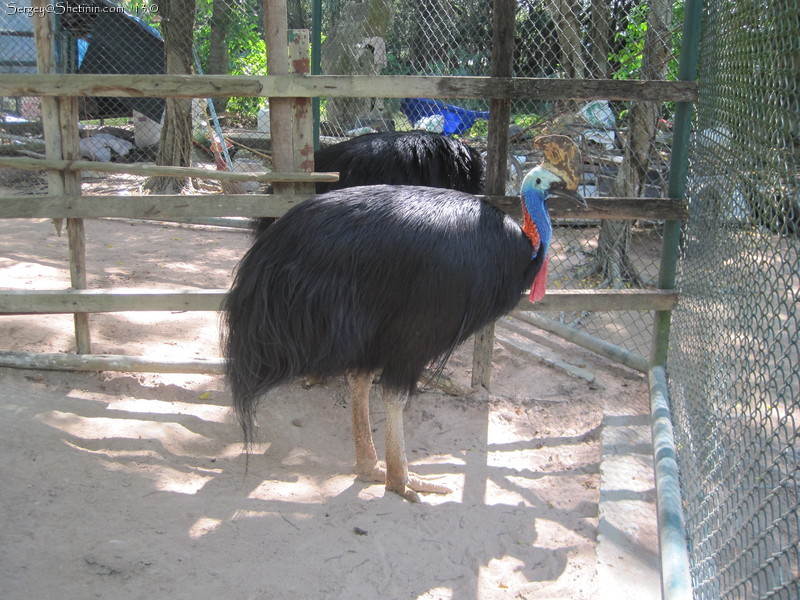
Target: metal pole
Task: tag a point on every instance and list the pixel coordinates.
(679, 163)
(599, 346)
(676, 579)
(316, 60)
(212, 113)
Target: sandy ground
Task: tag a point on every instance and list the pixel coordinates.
(121, 486)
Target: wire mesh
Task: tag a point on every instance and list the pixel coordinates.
(626, 145)
(140, 37)
(734, 364)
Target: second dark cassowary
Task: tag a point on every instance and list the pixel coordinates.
(398, 158)
(383, 279)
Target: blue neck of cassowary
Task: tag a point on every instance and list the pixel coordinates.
(537, 225)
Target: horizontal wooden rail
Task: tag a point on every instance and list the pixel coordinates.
(602, 300)
(39, 164)
(136, 299)
(109, 300)
(621, 209)
(347, 86)
(148, 207)
(274, 205)
(109, 362)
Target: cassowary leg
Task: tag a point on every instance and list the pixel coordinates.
(367, 467)
(398, 479)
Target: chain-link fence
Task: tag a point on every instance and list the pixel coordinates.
(734, 363)
(139, 37)
(626, 145)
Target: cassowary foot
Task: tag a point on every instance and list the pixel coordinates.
(413, 484)
(407, 489)
(372, 473)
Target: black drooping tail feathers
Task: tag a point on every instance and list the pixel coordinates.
(367, 279)
(399, 158)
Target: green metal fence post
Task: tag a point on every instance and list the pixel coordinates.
(676, 583)
(316, 60)
(679, 162)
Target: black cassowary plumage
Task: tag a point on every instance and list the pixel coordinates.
(399, 158)
(384, 279)
(375, 278)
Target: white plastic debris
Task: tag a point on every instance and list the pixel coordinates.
(434, 123)
(598, 113)
(99, 147)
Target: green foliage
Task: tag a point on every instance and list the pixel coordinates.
(628, 59)
(526, 120)
(481, 126)
(678, 16)
(250, 58)
(247, 53)
(479, 129)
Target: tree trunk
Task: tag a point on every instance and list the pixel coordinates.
(175, 143)
(600, 36)
(221, 21)
(566, 16)
(296, 17)
(613, 263)
(344, 53)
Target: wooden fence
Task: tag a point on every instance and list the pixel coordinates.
(290, 96)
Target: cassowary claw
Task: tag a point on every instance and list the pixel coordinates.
(408, 489)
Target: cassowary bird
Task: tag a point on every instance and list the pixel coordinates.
(381, 279)
(398, 158)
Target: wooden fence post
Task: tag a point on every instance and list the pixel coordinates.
(60, 125)
(291, 119)
(499, 113)
(302, 115)
(280, 109)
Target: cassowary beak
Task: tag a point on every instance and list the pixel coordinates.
(561, 192)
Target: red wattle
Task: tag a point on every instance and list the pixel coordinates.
(529, 227)
(539, 287)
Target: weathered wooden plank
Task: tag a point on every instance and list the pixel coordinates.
(36, 164)
(348, 86)
(274, 205)
(280, 108)
(109, 362)
(601, 300)
(142, 364)
(45, 64)
(21, 302)
(149, 207)
(135, 299)
(655, 209)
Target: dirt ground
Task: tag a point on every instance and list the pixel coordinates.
(120, 485)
